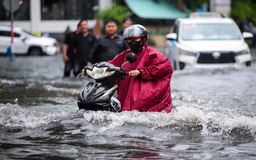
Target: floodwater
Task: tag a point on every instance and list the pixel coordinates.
(213, 117)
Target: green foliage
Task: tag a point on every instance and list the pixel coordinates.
(117, 12)
(243, 10)
(194, 5)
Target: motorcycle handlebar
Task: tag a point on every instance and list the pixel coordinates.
(120, 71)
(123, 71)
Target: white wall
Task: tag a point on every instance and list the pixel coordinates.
(221, 6)
(35, 15)
(104, 4)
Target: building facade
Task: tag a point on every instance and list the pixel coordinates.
(51, 16)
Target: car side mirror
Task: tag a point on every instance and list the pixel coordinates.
(247, 35)
(131, 57)
(171, 36)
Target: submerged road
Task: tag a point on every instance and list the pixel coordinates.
(213, 117)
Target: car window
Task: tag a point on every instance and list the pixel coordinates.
(175, 29)
(5, 33)
(210, 31)
(8, 34)
(16, 34)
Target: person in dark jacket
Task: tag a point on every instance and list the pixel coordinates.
(109, 45)
(83, 43)
(67, 50)
(147, 88)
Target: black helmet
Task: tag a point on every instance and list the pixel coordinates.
(135, 30)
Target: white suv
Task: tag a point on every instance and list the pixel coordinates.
(207, 42)
(24, 43)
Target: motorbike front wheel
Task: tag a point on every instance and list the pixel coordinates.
(115, 104)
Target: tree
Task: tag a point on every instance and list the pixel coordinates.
(243, 10)
(116, 12)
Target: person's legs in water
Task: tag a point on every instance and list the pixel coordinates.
(68, 67)
(78, 66)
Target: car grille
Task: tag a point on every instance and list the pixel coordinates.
(224, 57)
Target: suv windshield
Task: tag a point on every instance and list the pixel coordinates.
(210, 32)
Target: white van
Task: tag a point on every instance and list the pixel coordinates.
(24, 43)
(207, 42)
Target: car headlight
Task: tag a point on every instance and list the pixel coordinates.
(99, 73)
(245, 51)
(188, 53)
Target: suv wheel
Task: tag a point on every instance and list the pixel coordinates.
(35, 51)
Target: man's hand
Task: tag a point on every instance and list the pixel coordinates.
(65, 58)
(134, 73)
(64, 51)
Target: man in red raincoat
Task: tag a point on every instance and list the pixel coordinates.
(147, 88)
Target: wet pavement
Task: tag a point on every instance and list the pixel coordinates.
(213, 117)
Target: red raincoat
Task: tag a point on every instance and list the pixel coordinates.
(151, 91)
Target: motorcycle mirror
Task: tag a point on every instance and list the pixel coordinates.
(131, 57)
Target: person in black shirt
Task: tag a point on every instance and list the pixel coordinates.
(82, 47)
(109, 45)
(67, 51)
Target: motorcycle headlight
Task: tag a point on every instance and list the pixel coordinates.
(99, 73)
(188, 53)
(245, 51)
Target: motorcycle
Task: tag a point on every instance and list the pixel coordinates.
(98, 94)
